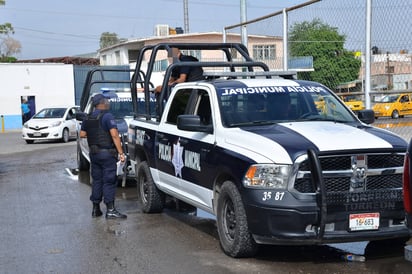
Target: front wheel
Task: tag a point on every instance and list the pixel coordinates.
(150, 198)
(65, 135)
(235, 238)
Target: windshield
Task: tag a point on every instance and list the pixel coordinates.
(50, 113)
(121, 107)
(275, 104)
(389, 99)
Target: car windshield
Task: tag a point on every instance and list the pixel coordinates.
(275, 104)
(389, 99)
(121, 107)
(50, 113)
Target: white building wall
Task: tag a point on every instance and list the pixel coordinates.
(50, 84)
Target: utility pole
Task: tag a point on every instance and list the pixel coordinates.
(243, 19)
(368, 54)
(186, 15)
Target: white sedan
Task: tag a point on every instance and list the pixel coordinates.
(57, 123)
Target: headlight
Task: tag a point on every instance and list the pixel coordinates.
(267, 176)
(56, 124)
(26, 125)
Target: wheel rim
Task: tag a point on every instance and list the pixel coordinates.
(65, 135)
(395, 114)
(144, 188)
(229, 220)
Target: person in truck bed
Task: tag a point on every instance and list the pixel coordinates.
(183, 73)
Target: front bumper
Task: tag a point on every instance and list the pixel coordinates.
(49, 134)
(297, 222)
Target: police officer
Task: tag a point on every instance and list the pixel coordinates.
(105, 147)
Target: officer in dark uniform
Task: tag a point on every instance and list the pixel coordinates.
(105, 147)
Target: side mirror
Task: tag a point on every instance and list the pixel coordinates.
(192, 123)
(367, 116)
(81, 116)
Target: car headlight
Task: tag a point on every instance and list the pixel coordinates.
(56, 124)
(267, 176)
(25, 125)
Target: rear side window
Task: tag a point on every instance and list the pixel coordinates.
(178, 107)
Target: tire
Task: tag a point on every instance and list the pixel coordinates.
(29, 141)
(82, 163)
(65, 135)
(235, 238)
(395, 114)
(150, 198)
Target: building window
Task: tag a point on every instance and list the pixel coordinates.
(264, 52)
(390, 69)
(117, 57)
(133, 55)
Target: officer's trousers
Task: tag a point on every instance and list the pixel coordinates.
(103, 171)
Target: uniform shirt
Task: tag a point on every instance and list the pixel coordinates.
(193, 73)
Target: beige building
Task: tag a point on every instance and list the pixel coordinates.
(268, 49)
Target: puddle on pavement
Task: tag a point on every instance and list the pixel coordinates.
(115, 229)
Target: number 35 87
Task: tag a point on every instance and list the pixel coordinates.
(277, 196)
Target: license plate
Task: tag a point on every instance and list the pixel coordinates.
(37, 134)
(364, 221)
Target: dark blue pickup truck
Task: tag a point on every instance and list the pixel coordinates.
(276, 160)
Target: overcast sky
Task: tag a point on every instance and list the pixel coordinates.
(56, 28)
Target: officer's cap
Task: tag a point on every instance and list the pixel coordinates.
(97, 99)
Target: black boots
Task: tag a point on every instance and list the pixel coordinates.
(112, 213)
(96, 212)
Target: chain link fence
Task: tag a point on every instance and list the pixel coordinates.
(391, 25)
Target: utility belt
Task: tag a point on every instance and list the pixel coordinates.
(96, 149)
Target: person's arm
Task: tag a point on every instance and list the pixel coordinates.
(117, 143)
(182, 78)
(83, 134)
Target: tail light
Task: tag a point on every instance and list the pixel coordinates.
(407, 195)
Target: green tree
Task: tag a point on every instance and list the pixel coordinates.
(8, 45)
(7, 27)
(332, 63)
(108, 39)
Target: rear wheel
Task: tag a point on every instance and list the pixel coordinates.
(151, 199)
(235, 238)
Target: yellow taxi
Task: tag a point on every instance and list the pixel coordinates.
(393, 105)
(354, 103)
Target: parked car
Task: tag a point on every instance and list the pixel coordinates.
(56, 123)
(393, 105)
(353, 102)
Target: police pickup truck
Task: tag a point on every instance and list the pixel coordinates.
(276, 160)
